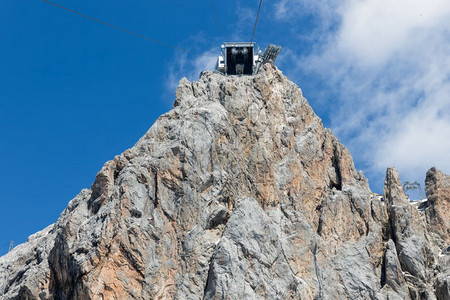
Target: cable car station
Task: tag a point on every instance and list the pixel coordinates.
(240, 58)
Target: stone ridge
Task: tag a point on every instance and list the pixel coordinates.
(239, 192)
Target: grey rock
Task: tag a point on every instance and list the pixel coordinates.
(238, 192)
(415, 252)
(443, 278)
(437, 208)
(393, 281)
(25, 269)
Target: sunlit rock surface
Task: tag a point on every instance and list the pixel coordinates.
(239, 192)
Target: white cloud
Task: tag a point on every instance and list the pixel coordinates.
(419, 143)
(373, 30)
(190, 65)
(388, 64)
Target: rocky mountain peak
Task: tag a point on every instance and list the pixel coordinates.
(238, 192)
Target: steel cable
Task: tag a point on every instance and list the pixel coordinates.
(116, 27)
(217, 18)
(256, 21)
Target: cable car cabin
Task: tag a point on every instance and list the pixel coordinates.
(239, 58)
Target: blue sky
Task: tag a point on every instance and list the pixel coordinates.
(75, 93)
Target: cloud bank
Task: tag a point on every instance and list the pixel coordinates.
(387, 69)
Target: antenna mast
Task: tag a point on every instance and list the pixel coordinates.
(11, 246)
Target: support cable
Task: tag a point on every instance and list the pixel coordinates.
(116, 27)
(217, 18)
(256, 21)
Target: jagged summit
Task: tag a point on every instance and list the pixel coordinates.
(239, 192)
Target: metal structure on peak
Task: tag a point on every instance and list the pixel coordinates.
(241, 58)
(412, 186)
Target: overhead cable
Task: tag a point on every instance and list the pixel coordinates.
(116, 27)
(256, 21)
(217, 18)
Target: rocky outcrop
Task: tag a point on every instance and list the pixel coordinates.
(239, 192)
(437, 212)
(412, 242)
(393, 280)
(437, 186)
(25, 270)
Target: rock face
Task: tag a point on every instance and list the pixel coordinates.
(239, 192)
(437, 187)
(437, 211)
